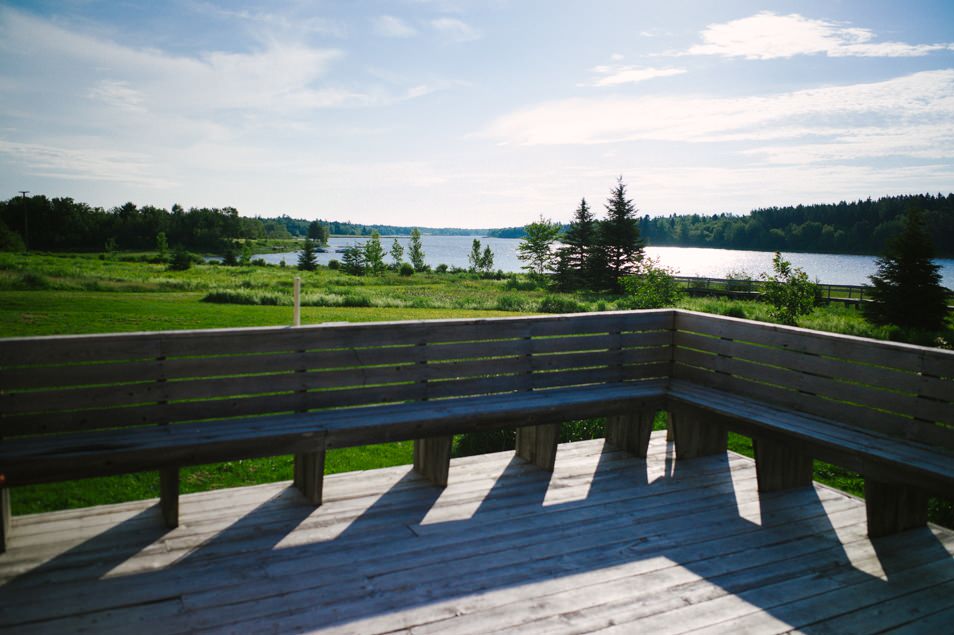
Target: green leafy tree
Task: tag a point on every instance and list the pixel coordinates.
(374, 254)
(654, 287)
(352, 260)
(307, 257)
(537, 248)
(416, 251)
(907, 287)
(318, 232)
(397, 253)
(486, 264)
(475, 259)
(619, 243)
(574, 259)
(789, 291)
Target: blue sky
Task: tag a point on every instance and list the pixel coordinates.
(475, 114)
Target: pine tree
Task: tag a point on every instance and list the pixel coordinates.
(620, 247)
(907, 287)
(352, 261)
(307, 258)
(416, 251)
(574, 259)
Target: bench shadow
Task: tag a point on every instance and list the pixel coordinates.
(381, 568)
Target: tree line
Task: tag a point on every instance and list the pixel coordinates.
(859, 227)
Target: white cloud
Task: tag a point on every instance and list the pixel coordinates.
(390, 26)
(455, 30)
(767, 35)
(85, 163)
(902, 107)
(614, 75)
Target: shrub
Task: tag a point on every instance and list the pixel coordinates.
(789, 291)
(510, 302)
(407, 269)
(653, 287)
(561, 304)
(33, 281)
(334, 264)
(441, 268)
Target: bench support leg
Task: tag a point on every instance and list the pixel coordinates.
(630, 433)
(538, 444)
(169, 496)
(310, 475)
(695, 436)
(5, 518)
(894, 508)
(432, 458)
(778, 467)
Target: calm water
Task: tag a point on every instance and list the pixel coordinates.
(687, 261)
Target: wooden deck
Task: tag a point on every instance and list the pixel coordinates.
(605, 543)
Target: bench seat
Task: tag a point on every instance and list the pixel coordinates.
(30, 460)
(870, 453)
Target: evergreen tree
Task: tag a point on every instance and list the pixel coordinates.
(907, 287)
(307, 258)
(374, 254)
(162, 247)
(397, 252)
(416, 251)
(574, 259)
(352, 261)
(537, 248)
(620, 247)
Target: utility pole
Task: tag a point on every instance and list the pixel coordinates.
(26, 227)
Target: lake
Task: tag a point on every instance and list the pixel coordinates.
(686, 261)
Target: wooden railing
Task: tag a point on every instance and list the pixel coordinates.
(76, 406)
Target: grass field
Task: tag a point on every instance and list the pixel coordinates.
(48, 294)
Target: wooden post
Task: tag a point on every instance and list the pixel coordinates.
(631, 432)
(310, 475)
(538, 444)
(697, 435)
(169, 496)
(893, 508)
(5, 517)
(297, 301)
(778, 467)
(432, 458)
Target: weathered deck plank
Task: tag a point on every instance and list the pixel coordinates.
(607, 541)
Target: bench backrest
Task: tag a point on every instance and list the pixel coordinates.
(886, 387)
(74, 383)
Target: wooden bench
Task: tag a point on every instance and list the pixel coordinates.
(882, 409)
(80, 406)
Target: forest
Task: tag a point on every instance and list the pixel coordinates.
(859, 227)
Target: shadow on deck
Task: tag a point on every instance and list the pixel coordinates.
(605, 542)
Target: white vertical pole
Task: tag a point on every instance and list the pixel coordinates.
(297, 300)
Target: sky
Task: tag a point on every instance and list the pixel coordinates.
(475, 114)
